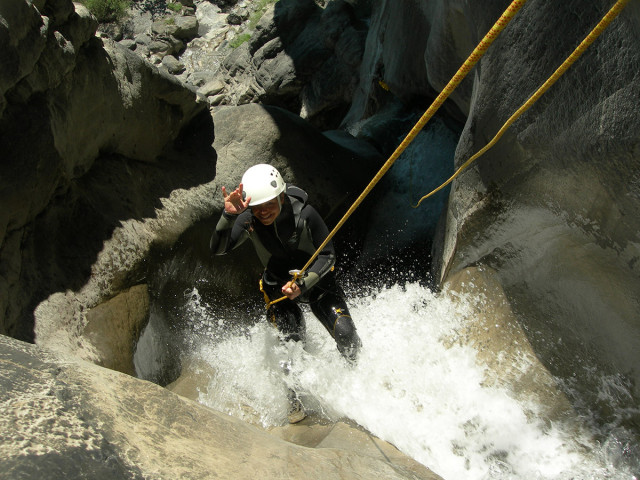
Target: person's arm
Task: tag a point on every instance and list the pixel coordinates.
(326, 259)
(323, 263)
(228, 234)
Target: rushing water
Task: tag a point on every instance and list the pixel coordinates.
(412, 387)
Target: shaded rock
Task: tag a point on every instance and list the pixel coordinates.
(172, 64)
(359, 147)
(278, 76)
(68, 98)
(235, 19)
(110, 257)
(24, 35)
(225, 4)
(80, 26)
(297, 43)
(285, 21)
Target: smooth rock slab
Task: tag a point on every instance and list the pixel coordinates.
(63, 419)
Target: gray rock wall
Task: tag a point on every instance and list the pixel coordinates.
(553, 207)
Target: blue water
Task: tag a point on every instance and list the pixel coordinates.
(424, 165)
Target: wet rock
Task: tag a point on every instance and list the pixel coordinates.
(552, 206)
(503, 346)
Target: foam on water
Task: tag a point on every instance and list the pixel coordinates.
(413, 387)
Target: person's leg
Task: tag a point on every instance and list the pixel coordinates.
(287, 317)
(332, 311)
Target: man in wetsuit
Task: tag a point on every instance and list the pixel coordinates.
(286, 232)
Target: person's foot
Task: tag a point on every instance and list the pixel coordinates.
(296, 411)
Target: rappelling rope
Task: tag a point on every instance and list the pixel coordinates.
(462, 72)
(595, 33)
(449, 88)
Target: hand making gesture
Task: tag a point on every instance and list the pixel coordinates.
(233, 202)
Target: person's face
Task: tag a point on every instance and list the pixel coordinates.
(267, 212)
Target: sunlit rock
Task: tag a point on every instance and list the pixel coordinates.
(503, 347)
(113, 327)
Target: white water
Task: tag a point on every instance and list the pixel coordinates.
(412, 387)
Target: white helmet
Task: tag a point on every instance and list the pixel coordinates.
(262, 183)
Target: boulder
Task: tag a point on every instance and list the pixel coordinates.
(187, 27)
(114, 327)
(211, 88)
(300, 57)
(172, 64)
(252, 134)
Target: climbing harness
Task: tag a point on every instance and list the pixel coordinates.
(271, 315)
(595, 33)
(466, 67)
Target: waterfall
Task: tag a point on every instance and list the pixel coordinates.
(416, 385)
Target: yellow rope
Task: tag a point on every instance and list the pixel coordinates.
(462, 72)
(595, 33)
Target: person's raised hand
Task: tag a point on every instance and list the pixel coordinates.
(234, 204)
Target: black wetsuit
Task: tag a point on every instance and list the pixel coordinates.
(287, 244)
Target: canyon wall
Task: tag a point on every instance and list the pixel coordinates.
(553, 206)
